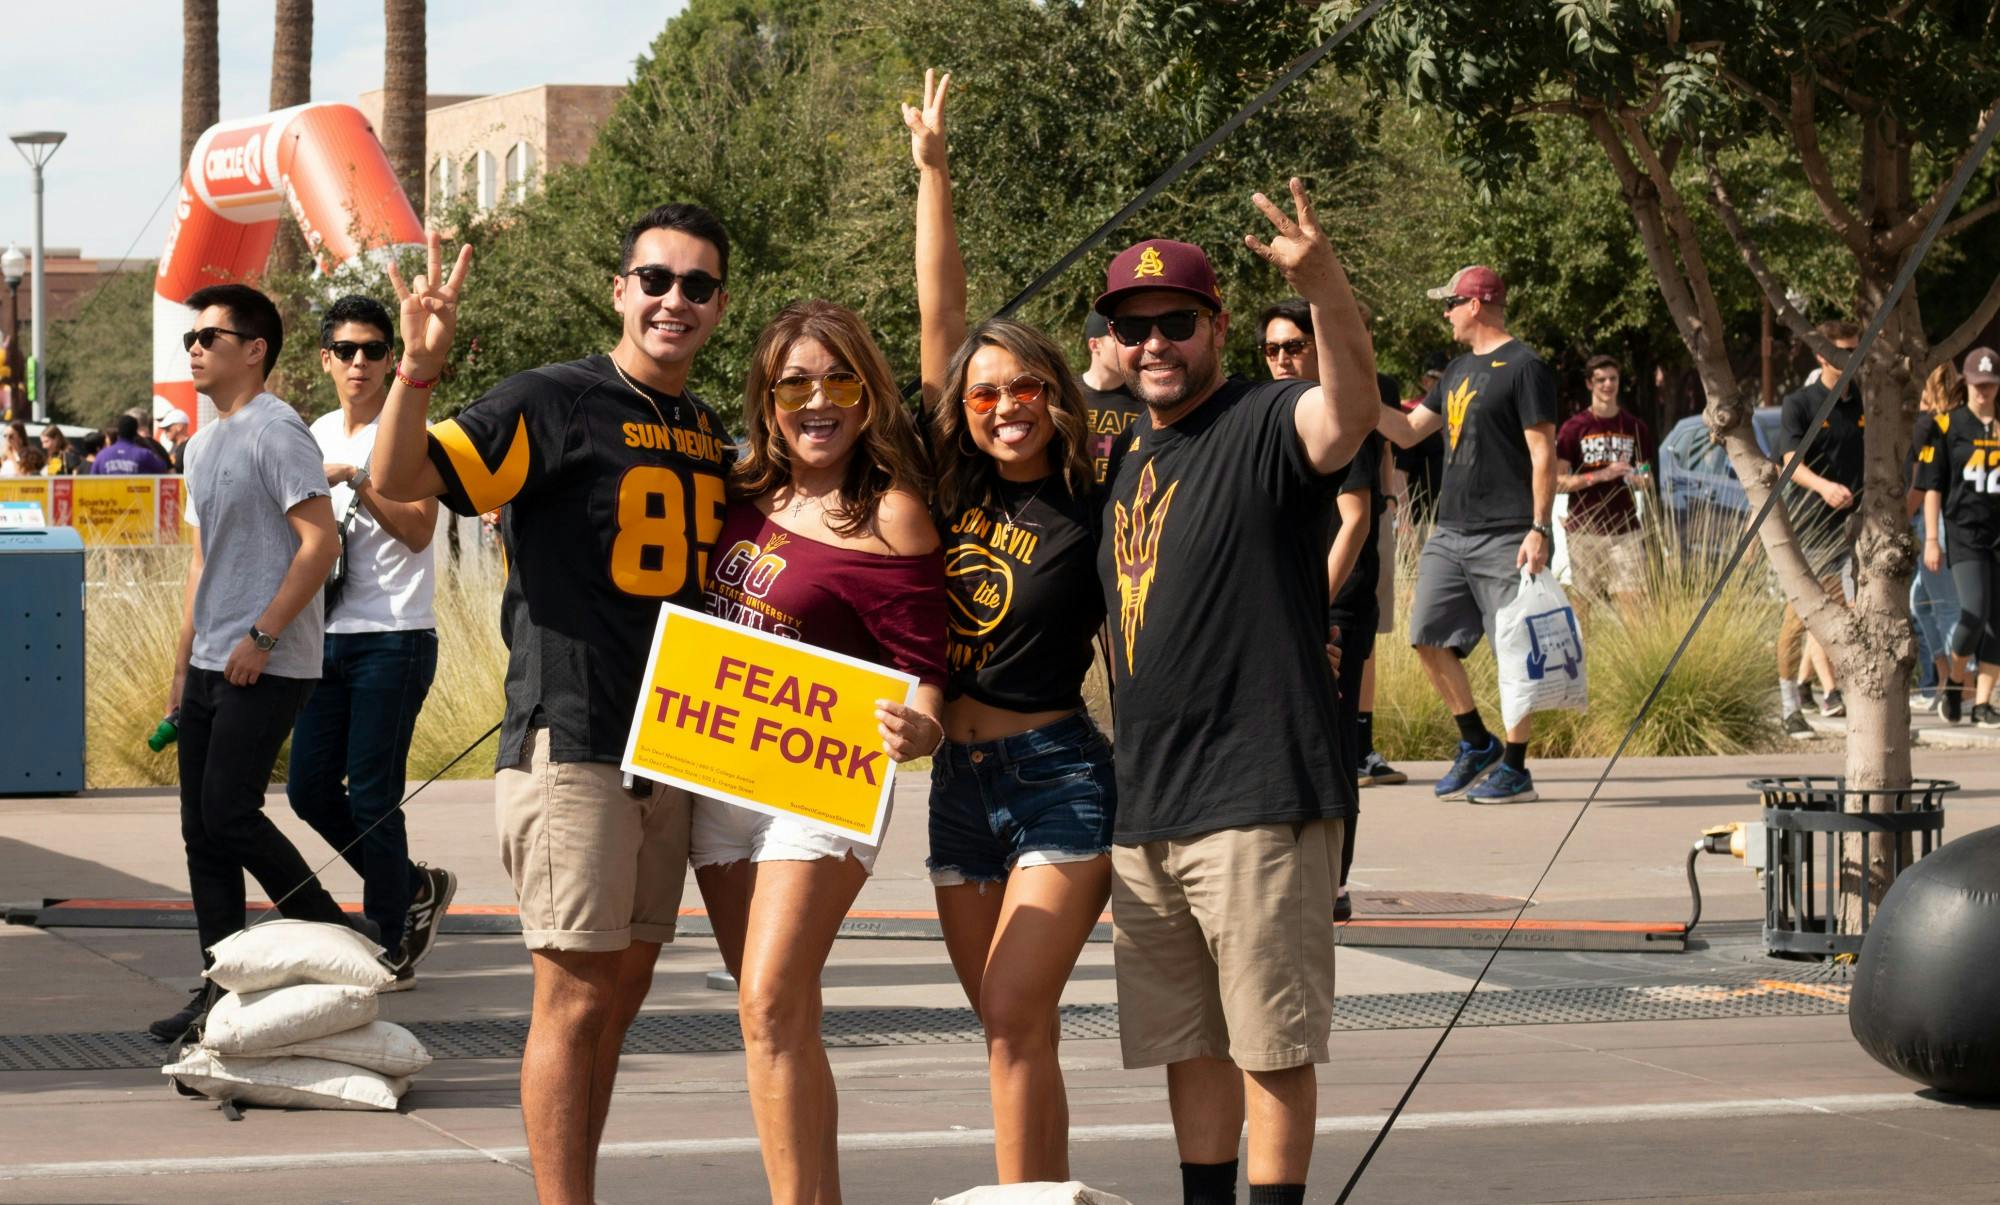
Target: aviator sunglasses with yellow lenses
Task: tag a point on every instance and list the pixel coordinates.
(1024, 389)
(841, 387)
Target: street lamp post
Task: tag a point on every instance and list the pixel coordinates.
(12, 265)
(37, 147)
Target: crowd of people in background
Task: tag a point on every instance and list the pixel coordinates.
(126, 446)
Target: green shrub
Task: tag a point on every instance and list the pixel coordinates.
(1719, 700)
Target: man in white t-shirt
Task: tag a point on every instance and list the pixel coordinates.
(352, 741)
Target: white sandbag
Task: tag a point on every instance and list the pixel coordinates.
(1043, 1192)
(285, 1083)
(378, 1046)
(1540, 650)
(259, 1021)
(280, 953)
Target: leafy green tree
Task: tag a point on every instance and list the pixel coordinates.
(1675, 96)
(101, 361)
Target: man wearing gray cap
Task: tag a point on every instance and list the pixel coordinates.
(1497, 406)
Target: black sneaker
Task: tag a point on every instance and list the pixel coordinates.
(1376, 772)
(168, 1030)
(1343, 907)
(1796, 727)
(1833, 706)
(1952, 706)
(406, 974)
(1984, 715)
(427, 914)
(1806, 695)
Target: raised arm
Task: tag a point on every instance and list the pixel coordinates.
(402, 468)
(1333, 419)
(940, 266)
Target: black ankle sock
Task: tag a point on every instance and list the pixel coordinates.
(1472, 729)
(1515, 757)
(1277, 1194)
(1366, 721)
(1209, 1183)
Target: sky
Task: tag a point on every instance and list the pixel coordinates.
(107, 72)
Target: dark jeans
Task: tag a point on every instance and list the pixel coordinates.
(349, 751)
(229, 740)
(1357, 645)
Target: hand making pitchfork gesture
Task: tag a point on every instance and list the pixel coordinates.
(430, 309)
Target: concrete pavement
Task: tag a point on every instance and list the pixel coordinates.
(1775, 1107)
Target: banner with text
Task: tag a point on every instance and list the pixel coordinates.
(109, 511)
(765, 723)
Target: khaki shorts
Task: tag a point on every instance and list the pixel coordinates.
(594, 866)
(1604, 566)
(1224, 945)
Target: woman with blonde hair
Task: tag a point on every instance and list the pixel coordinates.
(1933, 598)
(826, 540)
(1022, 794)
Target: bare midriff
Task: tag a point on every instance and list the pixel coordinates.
(967, 720)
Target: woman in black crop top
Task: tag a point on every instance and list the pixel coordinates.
(1022, 797)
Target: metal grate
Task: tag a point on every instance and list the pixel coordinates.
(711, 1032)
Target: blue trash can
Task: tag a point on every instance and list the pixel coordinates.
(41, 661)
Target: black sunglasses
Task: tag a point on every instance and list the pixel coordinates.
(1290, 347)
(206, 337)
(343, 350)
(1452, 303)
(1175, 326)
(696, 286)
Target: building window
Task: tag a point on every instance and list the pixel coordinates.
(441, 184)
(520, 169)
(479, 179)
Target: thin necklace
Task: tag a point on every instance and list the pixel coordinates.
(1025, 502)
(630, 384)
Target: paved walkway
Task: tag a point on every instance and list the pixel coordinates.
(1769, 1101)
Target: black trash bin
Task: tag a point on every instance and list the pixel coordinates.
(1805, 819)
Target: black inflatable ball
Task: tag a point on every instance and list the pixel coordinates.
(1926, 997)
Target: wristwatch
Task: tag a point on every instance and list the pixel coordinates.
(1545, 531)
(263, 640)
(359, 479)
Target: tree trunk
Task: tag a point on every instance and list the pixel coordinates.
(404, 88)
(291, 84)
(201, 73)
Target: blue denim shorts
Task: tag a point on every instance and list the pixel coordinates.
(1041, 797)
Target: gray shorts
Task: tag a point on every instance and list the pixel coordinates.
(1463, 579)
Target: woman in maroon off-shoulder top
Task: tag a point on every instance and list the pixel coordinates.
(827, 540)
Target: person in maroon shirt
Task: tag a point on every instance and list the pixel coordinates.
(827, 540)
(1604, 456)
(1022, 791)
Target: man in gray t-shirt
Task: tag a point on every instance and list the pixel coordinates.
(250, 644)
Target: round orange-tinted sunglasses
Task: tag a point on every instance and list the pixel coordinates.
(1024, 389)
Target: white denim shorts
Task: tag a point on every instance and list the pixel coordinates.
(723, 832)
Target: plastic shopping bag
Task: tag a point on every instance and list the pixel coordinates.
(1540, 650)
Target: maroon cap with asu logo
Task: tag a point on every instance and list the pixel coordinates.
(1159, 264)
(1982, 367)
(1478, 282)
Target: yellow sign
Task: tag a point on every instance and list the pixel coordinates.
(114, 510)
(765, 723)
(26, 489)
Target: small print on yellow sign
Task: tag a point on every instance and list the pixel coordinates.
(765, 723)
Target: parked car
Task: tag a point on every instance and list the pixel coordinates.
(1695, 470)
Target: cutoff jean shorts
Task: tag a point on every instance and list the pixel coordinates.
(1039, 798)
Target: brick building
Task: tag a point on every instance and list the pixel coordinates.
(492, 148)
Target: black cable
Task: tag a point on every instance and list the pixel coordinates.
(1694, 889)
(1959, 183)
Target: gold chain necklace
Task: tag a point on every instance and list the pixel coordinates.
(633, 386)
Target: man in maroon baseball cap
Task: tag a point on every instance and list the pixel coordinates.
(1234, 783)
(1497, 407)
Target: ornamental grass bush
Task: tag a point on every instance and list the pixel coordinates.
(1720, 699)
(132, 621)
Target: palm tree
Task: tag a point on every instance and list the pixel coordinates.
(291, 84)
(201, 74)
(403, 100)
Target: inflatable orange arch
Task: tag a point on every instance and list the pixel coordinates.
(325, 161)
